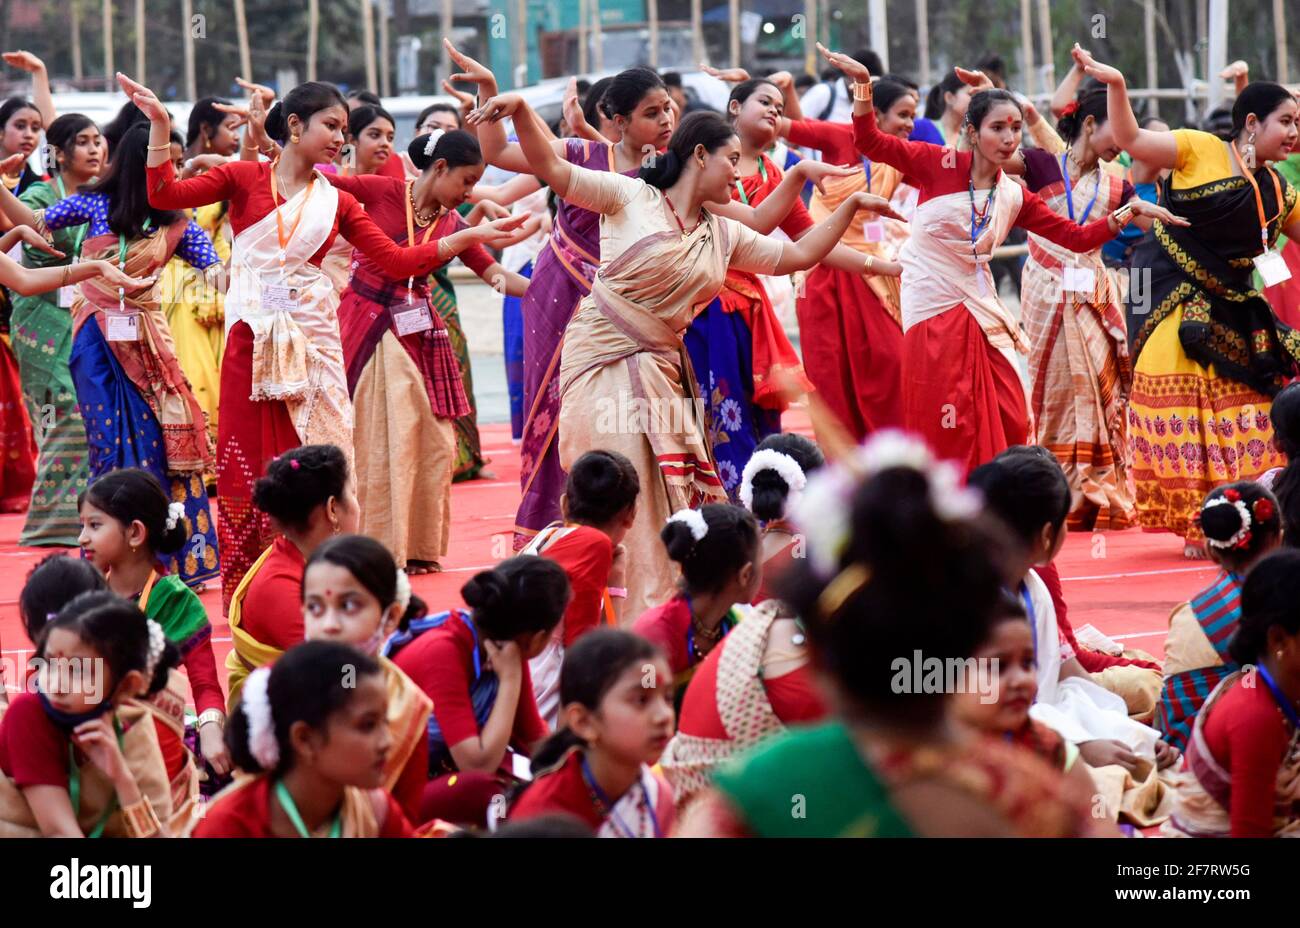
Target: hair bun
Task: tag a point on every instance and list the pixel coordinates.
(276, 126)
(485, 591)
(678, 539)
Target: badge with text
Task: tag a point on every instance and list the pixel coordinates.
(413, 321)
(124, 327)
(1079, 279)
(280, 297)
(1272, 268)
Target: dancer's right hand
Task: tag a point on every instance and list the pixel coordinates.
(877, 204)
(116, 278)
(726, 75)
(1094, 68)
(818, 171)
(470, 70)
(13, 164)
(850, 67)
(144, 98)
(501, 233)
(496, 109)
(976, 80)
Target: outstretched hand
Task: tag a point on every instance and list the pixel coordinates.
(1094, 68)
(144, 98)
(24, 61)
(976, 80)
(850, 67)
(496, 109)
(471, 71)
(727, 75)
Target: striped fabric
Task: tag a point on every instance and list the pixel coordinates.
(1218, 610)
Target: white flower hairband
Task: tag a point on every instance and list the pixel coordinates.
(824, 513)
(692, 519)
(432, 143)
(261, 726)
(175, 512)
(1242, 510)
(157, 643)
(786, 467)
(403, 590)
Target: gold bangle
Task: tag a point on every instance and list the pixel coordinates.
(871, 264)
(67, 269)
(140, 820)
(211, 715)
(164, 147)
(862, 91)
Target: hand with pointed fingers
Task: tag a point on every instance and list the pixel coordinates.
(144, 98)
(464, 100)
(819, 171)
(849, 67)
(1094, 68)
(470, 70)
(258, 90)
(24, 61)
(877, 204)
(726, 75)
(495, 109)
(975, 80)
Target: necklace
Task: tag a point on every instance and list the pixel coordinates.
(421, 219)
(680, 225)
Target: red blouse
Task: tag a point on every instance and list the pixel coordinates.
(938, 171)
(559, 791)
(272, 607)
(33, 750)
(441, 662)
(1248, 735)
(833, 139)
(385, 201)
(666, 626)
(246, 813)
(586, 554)
(247, 186)
(793, 696)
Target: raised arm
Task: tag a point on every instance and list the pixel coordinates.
(768, 215)
(1038, 217)
(14, 209)
(1157, 149)
(576, 119)
(538, 155)
(29, 281)
(820, 239)
(1067, 90)
(516, 188)
(41, 95)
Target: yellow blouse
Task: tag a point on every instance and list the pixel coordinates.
(1202, 159)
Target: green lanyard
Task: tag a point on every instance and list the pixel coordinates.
(74, 786)
(291, 809)
(121, 263)
(762, 171)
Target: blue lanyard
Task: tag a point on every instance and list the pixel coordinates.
(608, 807)
(1069, 196)
(1033, 625)
(866, 168)
(1286, 705)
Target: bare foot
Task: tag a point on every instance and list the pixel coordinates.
(1194, 552)
(416, 568)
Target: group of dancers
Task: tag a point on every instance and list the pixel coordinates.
(278, 327)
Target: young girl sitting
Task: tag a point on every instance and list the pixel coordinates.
(1010, 642)
(618, 716)
(1242, 523)
(309, 496)
(50, 586)
(353, 593)
(717, 548)
(599, 506)
(78, 758)
(771, 483)
(474, 666)
(1026, 490)
(312, 730)
(127, 521)
(1241, 778)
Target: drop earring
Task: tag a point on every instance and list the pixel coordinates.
(1248, 152)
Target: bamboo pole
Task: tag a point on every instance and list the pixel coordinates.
(698, 52)
(652, 10)
(368, 40)
(583, 14)
(313, 37)
(1027, 44)
(1045, 40)
(597, 37)
(445, 27)
(1218, 50)
(733, 10)
(1279, 36)
(385, 78)
(187, 37)
(106, 8)
(139, 41)
(1149, 27)
(880, 32)
(76, 41)
(245, 55)
(923, 38)
(810, 56)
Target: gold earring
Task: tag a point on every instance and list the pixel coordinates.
(293, 137)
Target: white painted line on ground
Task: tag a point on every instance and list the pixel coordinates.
(1143, 573)
(480, 485)
(1138, 635)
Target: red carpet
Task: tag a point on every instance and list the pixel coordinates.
(1124, 583)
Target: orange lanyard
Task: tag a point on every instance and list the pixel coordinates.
(279, 223)
(1259, 199)
(410, 231)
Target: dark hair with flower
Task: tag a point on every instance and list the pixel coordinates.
(1241, 523)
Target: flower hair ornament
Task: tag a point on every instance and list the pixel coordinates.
(432, 143)
(786, 467)
(261, 726)
(824, 513)
(1070, 108)
(1240, 538)
(692, 519)
(175, 512)
(403, 597)
(157, 643)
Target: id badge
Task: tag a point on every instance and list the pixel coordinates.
(413, 321)
(124, 327)
(874, 231)
(280, 297)
(982, 281)
(521, 766)
(1079, 279)
(69, 293)
(1272, 268)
